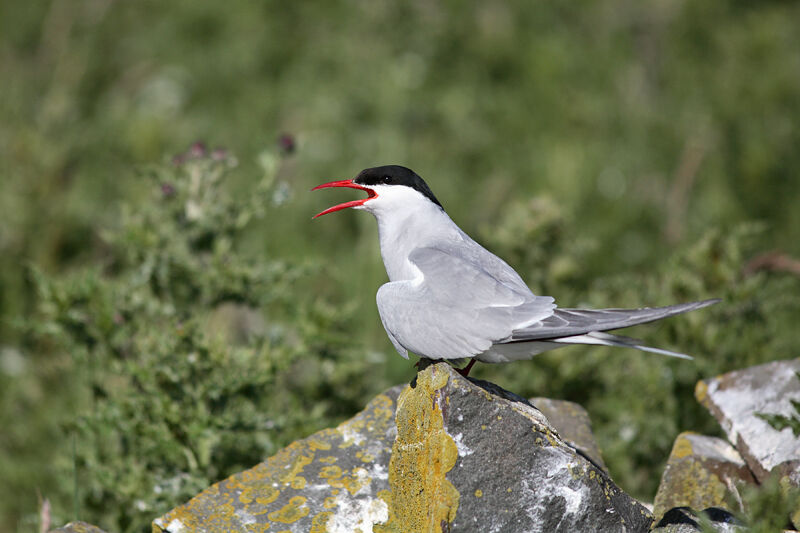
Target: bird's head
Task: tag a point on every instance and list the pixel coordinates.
(388, 188)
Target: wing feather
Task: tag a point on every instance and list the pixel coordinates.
(571, 322)
(460, 305)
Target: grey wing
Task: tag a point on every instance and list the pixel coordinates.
(414, 322)
(571, 322)
(460, 305)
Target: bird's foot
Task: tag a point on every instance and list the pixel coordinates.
(465, 371)
(424, 363)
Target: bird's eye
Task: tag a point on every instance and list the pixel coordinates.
(387, 179)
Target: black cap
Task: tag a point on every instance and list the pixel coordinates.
(395, 175)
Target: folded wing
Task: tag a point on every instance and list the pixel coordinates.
(459, 305)
(572, 322)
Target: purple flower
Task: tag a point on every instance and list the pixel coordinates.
(168, 190)
(198, 149)
(286, 143)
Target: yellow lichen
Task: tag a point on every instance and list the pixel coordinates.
(576, 471)
(701, 392)
(262, 493)
(386, 496)
(291, 512)
(224, 514)
(551, 438)
(327, 472)
(692, 485)
(319, 524)
(338, 479)
(299, 463)
(421, 497)
(257, 490)
(330, 502)
(682, 447)
(316, 444)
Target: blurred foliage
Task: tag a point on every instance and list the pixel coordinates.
(183, 351)
(617, 153)
(772, 506)
(638, 401)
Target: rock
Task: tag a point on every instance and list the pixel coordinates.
(330, 481)
(468, 458)
(572, 423)
(738, 398)
(685, 520)
(78, 527)
(701, 472)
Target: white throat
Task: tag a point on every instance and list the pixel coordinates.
(407, 220)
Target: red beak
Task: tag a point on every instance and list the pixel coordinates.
(345, 183)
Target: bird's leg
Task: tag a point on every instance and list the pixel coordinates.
(465, 371)
(424, 363)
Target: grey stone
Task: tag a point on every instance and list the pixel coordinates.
(78, 527)
(572, 423)
(330, 481)
(471, 457)
(444, 454)
(701, 472)
(737, 398)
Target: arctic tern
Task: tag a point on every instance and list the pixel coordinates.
(448, 298)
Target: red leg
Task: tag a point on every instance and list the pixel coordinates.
(465, 371)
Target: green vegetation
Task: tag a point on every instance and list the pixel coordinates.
(165, 324)
(179, 380)
(779, 422)
(773, 506)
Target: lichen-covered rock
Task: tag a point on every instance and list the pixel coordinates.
(701, 472)
(739, 400)
(685, 520)
(468, 459)
(78, 527)
(330, 481)
(445, 454)
(572, 423)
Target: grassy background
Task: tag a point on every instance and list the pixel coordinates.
(616, 153)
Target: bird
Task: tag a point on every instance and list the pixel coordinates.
(449, 298)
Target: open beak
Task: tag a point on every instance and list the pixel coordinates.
(345, 183)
